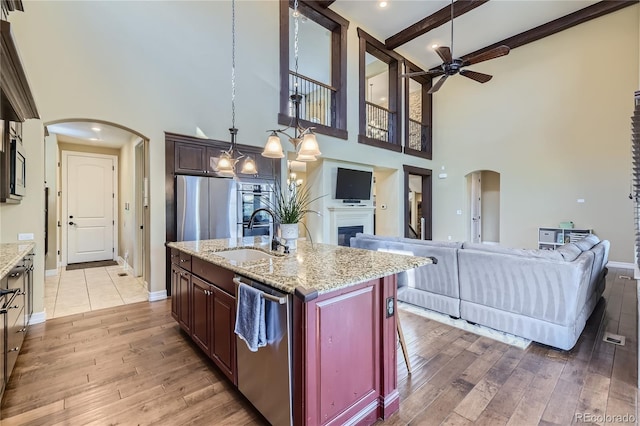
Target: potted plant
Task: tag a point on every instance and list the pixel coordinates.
(290, 206)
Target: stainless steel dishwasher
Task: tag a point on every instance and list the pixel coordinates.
(264, 377)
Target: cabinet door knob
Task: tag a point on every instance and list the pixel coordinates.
(16, 349)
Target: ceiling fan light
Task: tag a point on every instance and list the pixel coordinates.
(309, 146)
(249, 167)
(273, 147)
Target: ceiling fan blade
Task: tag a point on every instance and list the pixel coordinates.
(489, 54)
(477, 76)
(445, 53)
(417, 73)
(438, 84)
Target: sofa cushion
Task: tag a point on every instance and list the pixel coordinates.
(376, 237)
(587, 242)
(569, 251)
(405, 278)
(431, 243)
(492, 248)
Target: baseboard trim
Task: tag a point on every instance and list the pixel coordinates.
(38, 317)
(157, 295)
(623, 265)
(50, 272)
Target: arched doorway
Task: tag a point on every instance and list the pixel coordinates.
(483, 189)
(89, 139)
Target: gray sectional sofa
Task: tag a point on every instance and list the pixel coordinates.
(542, 295)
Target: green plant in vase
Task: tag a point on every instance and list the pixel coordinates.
(291, 204)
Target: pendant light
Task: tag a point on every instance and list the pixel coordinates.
(227, 162)
(303, 139)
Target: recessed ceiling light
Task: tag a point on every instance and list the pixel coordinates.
(383, 4)
(434, 45)
(93, 139)
(383, 98)
(96, 129)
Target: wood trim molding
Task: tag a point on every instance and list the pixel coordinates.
(338, 27)
(431, 22)
(318, 128)
(16, 100)
(378, 46)
(378, 144)
(571, 20)
(427, 198)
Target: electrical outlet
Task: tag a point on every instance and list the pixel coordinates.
(458, 212)
(25, 237)
(390, 307)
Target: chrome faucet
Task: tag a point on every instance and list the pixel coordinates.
(275, 243)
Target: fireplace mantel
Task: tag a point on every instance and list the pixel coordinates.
(349, 216)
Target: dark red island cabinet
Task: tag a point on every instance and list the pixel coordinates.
(345, 355)
(343, 341)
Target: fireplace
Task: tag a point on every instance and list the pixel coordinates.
(346, 221)
(346, 232)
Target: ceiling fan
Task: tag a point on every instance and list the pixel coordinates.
(451, 66)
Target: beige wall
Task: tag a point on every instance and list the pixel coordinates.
(552, 122)
(389, 221)
(28, 216)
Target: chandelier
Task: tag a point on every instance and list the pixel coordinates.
(303, 139)
(229, 158)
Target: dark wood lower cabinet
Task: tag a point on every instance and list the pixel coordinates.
(207, 313)
(175, 294)
(201, 319)
(223, 347)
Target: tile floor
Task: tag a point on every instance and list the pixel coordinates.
(84, 290)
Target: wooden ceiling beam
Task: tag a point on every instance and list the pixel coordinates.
(427, 24)
(594, 11)
(325, 3)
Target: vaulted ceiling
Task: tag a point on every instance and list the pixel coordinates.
(477, 23)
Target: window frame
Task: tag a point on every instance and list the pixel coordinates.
(338, 27)
(427, 110)
(368, 44)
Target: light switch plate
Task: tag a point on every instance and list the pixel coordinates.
(25, 237)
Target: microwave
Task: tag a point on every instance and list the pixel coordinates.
(18, 169)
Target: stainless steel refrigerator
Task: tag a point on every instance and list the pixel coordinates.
(206, 208)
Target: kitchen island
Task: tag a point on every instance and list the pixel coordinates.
(342, 352)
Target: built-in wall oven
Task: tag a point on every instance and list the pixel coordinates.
(251, 197)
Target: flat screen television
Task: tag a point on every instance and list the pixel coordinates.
(353, 184)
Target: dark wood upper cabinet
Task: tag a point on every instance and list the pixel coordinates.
(16, 100)
(190, 158)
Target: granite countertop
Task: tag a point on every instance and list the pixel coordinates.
(319, 267)
(10, 255)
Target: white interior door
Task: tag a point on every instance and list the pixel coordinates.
(90, 202)
(476, 207)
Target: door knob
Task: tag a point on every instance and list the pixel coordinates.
(70, 217)
(71, 223)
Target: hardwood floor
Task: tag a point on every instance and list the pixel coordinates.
(133, 365)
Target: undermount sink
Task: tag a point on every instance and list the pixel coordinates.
(243, 255)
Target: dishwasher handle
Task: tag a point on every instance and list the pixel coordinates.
(280, 300)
